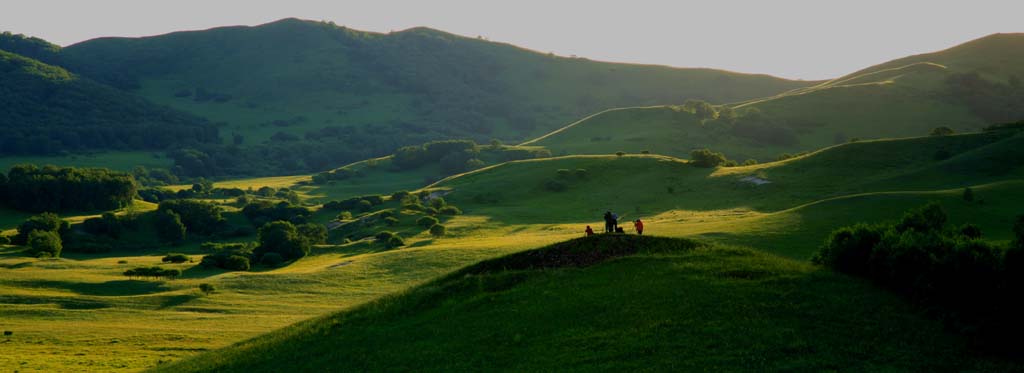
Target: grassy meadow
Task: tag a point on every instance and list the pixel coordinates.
(79, 313)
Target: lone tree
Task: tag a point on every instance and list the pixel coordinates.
(44, 244)
(283, 238)
(207, 288)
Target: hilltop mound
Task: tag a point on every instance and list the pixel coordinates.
(47, 110)
(671, 305)
(964, 88)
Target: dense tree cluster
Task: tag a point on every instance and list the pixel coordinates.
(263, 212)
(198, 217)
(970, 282)
(232, 257)
(55, 189)
(48, 110)
(706, 158)
(284, 239)
(355, 203)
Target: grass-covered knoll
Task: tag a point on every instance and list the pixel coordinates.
(965, 88)
(667, 305)
(48, 110)
(341, 95)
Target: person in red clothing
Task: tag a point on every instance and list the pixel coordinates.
(590, 232)
(639, 225)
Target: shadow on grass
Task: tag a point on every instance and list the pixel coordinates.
(108, 289)
(176, 300)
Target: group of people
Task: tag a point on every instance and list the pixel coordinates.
(611, 225)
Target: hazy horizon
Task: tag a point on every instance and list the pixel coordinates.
(791, 39)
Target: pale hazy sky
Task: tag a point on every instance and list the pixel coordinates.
(805, 39)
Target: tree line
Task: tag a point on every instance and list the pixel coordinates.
(55, 189)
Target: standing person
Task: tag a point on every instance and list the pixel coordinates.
(589, 231)
(639, 225)
(615, 222)
(608, 227)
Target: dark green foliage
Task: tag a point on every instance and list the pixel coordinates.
(48, 110)
(55, 189)
(44, 244)
(46, 221)
(942, 131)
(427, 221)
(272, 259)
(620, 154)
(354, 203)
(169, 227)
(364, 206)
(283, 238)
(232, 257)
(449, 210)
(152, 272)
(198, 216)
(207, 288)
(970, 231)
(968, 194)
(313, 233)
(706, 158)
(384, 236)
(391, 221)
(175, 258)
(399, 195)
(582, 173)
(971, 284)
(928, 218)
(395, 241)
(437, 230)
(262, 212)
(453, 153)
(5, 240)
(563, 173)
(848, 249)
(106, 225)
(438, 202)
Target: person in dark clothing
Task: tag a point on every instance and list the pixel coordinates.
(639, 225)
(589, 231)
(615, 222)
(608, 225)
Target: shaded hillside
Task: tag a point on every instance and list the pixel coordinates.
(48, 110)
(295, 81)
(639, 303)
(964, 88)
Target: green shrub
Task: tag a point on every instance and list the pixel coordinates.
(44, 244)
(395, 241)
(437, 230)
(848, 249)
(364, 206)
(207, 288)
(438, 203)
(345, 215)
(450, 210)
(43, 222)
(430, 210)
(271, 259)
(313, 233)
(283, 238)
(175, 258)
(384, 236)
(930, 217)
(426, 221)
(169, 227)
(391, 221)
(970, 231)
(237, 263)
(399, 195)
(706, 158)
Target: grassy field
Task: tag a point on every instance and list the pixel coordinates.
(678, 309)
(80, 313)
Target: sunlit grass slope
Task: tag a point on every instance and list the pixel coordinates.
(646, 303)
(902, 98)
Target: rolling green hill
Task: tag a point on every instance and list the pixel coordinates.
(964, 88)
(321, 95)
(47, 110)
(618, 303)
